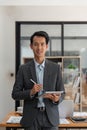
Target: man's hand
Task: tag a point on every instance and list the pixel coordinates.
(36, 88)
(53, 97)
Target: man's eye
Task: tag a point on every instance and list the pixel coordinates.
(42, 44)
(35, 44)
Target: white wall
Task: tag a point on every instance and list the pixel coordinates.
(7, 63)
(50, 13)
(8, 16)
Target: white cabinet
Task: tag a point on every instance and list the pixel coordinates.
(71, 71)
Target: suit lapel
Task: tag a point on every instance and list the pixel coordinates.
(46, 75)
(33, 72)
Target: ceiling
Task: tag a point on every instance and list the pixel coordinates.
(44, 2)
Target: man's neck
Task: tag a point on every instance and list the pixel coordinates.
(39, 60)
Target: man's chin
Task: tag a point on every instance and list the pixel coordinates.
(40, 55)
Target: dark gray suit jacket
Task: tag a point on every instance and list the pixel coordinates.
(52, 81)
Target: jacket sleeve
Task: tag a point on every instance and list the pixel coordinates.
(18, 92)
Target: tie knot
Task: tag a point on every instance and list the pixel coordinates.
(40, 67)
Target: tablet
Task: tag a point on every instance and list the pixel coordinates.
(50, 92)
(54, 92)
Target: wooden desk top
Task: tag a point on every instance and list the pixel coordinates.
(71, 125)
(4, 124)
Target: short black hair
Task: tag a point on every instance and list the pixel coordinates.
(42, 34)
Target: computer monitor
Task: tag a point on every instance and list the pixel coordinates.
(66, 108)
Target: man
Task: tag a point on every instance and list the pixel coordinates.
(36, 76)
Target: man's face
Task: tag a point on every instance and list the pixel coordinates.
(39, 46)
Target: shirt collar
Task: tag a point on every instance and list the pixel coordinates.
(36, 63)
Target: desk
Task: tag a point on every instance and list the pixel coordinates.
(10, 126)
(72, 125)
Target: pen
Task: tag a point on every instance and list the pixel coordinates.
(33, 81)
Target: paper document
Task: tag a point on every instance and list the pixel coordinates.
(63, 121)
(80, 114)
(14, 119)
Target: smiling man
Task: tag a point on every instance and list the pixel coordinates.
(39, 112)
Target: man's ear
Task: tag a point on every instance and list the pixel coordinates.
(46, 46)
(31, 46)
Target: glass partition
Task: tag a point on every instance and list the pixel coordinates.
(54, 32)
(66, 39)
(75, 38)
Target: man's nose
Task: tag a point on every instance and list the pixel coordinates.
(39, 46)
